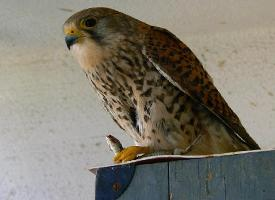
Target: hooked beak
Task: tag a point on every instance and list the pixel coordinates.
(70, 40)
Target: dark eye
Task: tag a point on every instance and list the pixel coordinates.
(90, 22)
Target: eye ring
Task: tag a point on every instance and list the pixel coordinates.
(90, 22)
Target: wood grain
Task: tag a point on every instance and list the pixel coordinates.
(243, 176)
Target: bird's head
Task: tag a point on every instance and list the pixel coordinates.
(90, 34)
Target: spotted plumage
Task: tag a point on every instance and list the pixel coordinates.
(153, 86)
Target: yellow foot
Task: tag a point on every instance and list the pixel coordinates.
(130, 153)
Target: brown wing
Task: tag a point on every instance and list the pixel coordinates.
(180, 66)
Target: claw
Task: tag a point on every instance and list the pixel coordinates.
(130, 153)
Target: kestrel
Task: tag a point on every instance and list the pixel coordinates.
(153, 86)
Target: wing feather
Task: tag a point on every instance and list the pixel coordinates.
(178, 64)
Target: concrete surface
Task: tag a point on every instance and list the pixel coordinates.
(52, 126)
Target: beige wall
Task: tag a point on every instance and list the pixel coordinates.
(52, 126)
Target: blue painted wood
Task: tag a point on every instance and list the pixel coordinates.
(149, 182)
(112, 181)
(244, 176)
(230, 177)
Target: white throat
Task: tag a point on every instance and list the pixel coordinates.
(87, 53)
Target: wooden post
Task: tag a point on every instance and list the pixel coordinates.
(244, 176)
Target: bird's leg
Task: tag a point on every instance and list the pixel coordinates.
(130, 153)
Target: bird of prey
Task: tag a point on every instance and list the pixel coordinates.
(153, 86)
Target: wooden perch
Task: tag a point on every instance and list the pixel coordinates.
(231, 176)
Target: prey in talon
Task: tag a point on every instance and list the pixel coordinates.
(153, 85)
(123, 155)
(114, 144)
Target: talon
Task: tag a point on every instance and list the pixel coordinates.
(130, 153)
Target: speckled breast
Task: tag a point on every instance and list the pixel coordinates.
(143, 103)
